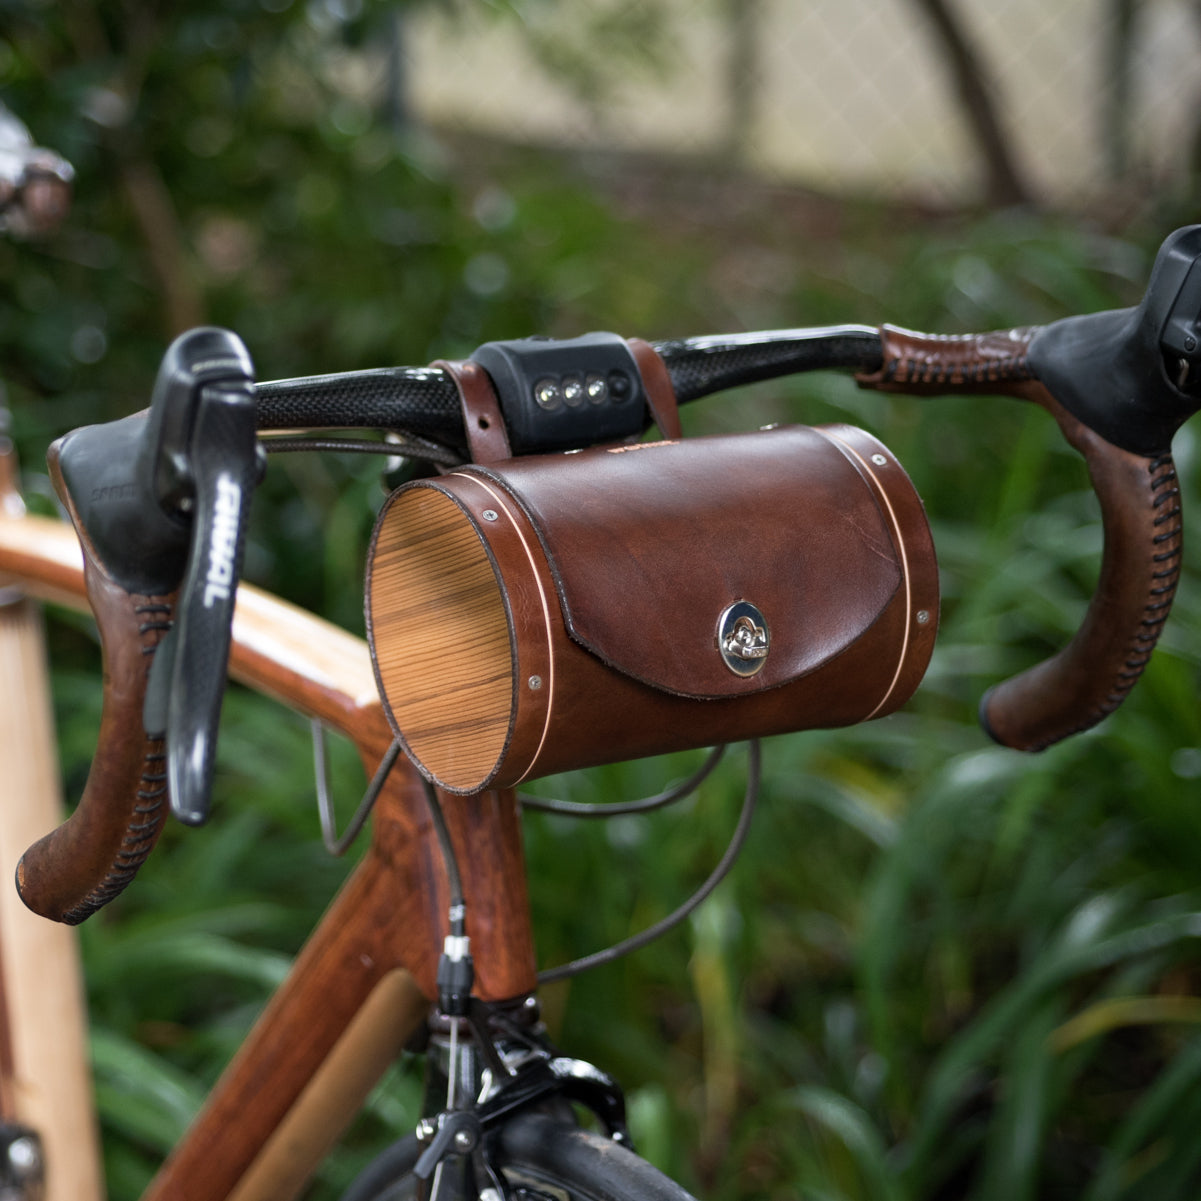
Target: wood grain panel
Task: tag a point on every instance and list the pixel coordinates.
(39, 960)
(47, 1080)
(441, 637)
(278, 648)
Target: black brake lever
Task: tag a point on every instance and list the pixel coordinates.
(204, 460)
(1131, 374)
(1180, 332)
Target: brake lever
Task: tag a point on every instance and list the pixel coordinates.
(145, 497)
(205, 463)
(1180, 331)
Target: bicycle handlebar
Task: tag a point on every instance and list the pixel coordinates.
(1140, 512)
(1105, 378)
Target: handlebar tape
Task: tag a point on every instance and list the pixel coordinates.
(88, 860)
(1141, 517)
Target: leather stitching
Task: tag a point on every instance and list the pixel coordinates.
(147, 812)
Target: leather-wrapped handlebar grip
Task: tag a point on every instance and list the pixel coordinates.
(1140, 566)
(95, 853)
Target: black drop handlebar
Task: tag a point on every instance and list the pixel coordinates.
(424, 402)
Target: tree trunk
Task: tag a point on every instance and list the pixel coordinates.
(1005, 183)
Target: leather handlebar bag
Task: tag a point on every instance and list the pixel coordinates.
(559, 611)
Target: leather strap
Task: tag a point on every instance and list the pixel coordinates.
(660, 395)
(929, 364)
(487, 440)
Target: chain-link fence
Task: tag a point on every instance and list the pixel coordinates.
(946, 100)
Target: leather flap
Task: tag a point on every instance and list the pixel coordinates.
(650, 544)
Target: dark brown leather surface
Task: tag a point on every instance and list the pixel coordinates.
(660, 396)
(586, 712)
(90, 859)
(487, 439)
(1140, 567)
(648, 544)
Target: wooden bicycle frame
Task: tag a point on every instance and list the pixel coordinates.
(360, 987)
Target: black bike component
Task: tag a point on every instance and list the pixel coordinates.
(545, 1075)
(336, 844)
(598, 1091)
(143, 548)
(637, 941)
(22, 1164)
(701, 366)
(423, 402)
(404, 448)
(455, 977)
(539, 1077)
(131, 481)
(450, 860)
(1120, 372)
(558, 394)
(1180, 340)
(420, 401)
(542, 1155)
(200, 454)
(649, 804)
(200, 357)
(196, 651)
(456, 1133)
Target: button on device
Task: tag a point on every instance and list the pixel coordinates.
(573, 391)
(548, 395)
(619, 386)
(597, 389)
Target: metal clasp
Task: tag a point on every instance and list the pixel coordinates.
(743, 638)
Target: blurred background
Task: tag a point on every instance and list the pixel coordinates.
(940, 969)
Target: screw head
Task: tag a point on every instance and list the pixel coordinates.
(1190, 343)
(879, 460)
(489, 514)
(534, 682)
(25, 1158)
(923, 617)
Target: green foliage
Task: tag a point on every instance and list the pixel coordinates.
(941, 969)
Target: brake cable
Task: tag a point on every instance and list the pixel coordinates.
(407, 446)
(637, 941)
(336, 844)
(625, 808)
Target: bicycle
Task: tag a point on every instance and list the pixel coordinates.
(245, 1143)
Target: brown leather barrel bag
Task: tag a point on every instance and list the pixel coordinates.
(560, 611)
